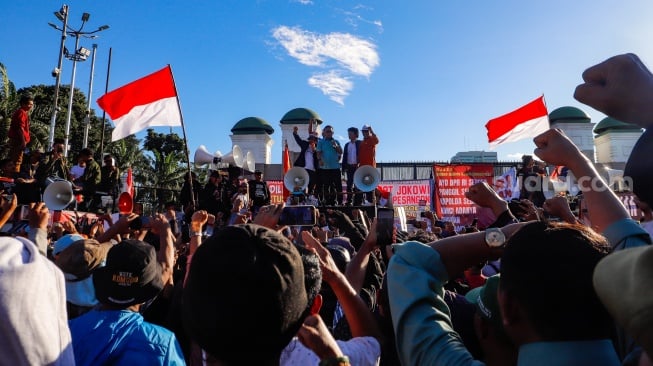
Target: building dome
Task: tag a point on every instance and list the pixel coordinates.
(569, 115)
(300, 116)
(611, 124)
(252, 126)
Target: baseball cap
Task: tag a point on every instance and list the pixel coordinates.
(82, 257)
(622, 281)
(132, 274)
(78, 262)
(365, 128)
(485, 299)
(64, 242)
(245, 277)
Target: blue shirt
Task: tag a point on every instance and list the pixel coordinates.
(626, 233)
(330, 157)
(122, 337)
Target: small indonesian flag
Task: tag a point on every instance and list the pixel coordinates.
(527, 121)
(286, 167)
(146, 102)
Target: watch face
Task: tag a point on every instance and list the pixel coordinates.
(494, 238)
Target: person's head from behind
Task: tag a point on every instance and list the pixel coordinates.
(245, 296)
(312, 280)
(7, 166)
(546, 291)
(131, 276)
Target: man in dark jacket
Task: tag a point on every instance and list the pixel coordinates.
(307, 158)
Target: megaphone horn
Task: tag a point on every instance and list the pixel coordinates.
(250, 163)
(58, 195)
(202, 156)
(235, 157)
(296, 179)
(366, 178)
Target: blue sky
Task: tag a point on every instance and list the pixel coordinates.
(427, 75)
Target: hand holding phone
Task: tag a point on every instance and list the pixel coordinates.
(298, 216)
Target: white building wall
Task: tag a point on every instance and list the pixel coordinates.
(581, 134)
(615, 147)
(260, 145)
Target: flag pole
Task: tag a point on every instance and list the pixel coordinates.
(186, 152)
(104, 113)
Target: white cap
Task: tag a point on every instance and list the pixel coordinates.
(365, 127)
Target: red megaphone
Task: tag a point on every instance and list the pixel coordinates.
(125, 203)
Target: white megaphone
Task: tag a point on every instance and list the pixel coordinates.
(203, 156)
(296, 179)
(235, 157)
(366, 178)
(250, 163)
(58, 195)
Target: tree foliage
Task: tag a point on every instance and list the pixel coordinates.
(159, 164)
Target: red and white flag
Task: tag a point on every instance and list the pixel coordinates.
(146, 102)
(285, 157)
(527, 121)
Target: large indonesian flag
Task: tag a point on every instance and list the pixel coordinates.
(527, 121)
(146, 102)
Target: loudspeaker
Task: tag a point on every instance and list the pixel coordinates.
(296, 178)
(366, 178)
(58, 195)
(125, 203)
(203, 156)
(250, 163)
(235, 157)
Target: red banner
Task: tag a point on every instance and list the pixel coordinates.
(409, 194)
(276, 191)
(451, 183)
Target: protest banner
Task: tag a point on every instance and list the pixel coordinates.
(451, 181)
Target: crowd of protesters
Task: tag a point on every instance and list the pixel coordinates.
(227, 285)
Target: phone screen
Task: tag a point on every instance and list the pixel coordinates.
(298, 216)
(385, 221)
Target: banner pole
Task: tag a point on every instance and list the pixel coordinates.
(186, 151)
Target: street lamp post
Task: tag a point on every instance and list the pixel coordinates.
(79, 54)
(87, 119)
(63, 16)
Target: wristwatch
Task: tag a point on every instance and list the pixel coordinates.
(495, 238)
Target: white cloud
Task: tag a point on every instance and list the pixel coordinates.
(333, 85)
(304, 2)
(343, 54)
(352, 53)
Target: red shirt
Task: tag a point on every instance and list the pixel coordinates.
(367, 151)
(19, 124)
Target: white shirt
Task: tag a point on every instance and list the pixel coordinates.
(362, 351)
(308, 157)
(352, 154)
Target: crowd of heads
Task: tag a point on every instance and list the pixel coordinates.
(221, 282)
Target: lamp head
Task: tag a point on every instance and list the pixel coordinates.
(85, 17)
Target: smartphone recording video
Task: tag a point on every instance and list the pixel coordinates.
(298, 216)
(385, 221)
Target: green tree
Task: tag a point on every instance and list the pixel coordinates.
(7, 100)
(166, 166)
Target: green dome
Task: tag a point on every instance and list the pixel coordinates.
(611, 124)
(569, 115)
(252, 126)
(300, 116)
